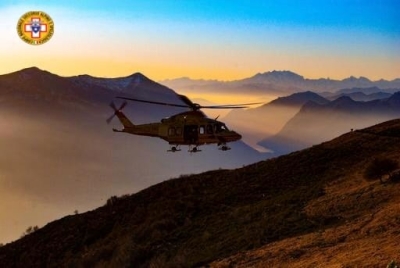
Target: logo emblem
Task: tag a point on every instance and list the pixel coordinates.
(35, 27)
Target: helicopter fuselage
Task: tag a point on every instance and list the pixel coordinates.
(188, 128)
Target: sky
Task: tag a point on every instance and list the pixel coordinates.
(209, 39)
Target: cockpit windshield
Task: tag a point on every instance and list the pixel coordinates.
(220, 128)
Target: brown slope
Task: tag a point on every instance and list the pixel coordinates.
(368, 231)
(191, 221)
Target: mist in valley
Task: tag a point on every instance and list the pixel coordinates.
(316, 123)
(58, 159)
(255, 125)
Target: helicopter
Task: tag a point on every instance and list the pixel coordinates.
(192, 128)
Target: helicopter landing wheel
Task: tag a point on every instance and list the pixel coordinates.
(224, 148)
(194, 149)
(174, 149)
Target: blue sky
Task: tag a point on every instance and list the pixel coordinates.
(380, 16)
(219, 39)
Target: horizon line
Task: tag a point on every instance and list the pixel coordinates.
(204, 79)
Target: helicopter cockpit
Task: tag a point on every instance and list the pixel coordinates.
(220, 128)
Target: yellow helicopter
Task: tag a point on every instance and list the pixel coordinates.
(192, 128)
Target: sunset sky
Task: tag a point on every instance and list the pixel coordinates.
(212, 39)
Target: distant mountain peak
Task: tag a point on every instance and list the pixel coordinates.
(355, 79)
(365, 90)
(364, 79)
(280, 75)
(138, 74)
(300, 98)
(350, 78)
(395, 97)
(32, 71)
(304, 94)
(343, 100)
(136, 79)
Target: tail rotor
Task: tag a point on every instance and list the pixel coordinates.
(112, 105)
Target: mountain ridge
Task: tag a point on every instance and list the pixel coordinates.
(281, 82)
(195, 220)
(268, 119)
(281, 73)
(315, 122)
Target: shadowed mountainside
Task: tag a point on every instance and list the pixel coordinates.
(194, 220)
(266, 120)
(316, 123)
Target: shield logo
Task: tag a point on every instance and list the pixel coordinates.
(35, 27)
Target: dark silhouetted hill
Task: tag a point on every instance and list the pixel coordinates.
(297, 208)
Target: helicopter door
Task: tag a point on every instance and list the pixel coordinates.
(190, 134)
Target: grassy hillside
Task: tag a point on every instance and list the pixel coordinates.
(194, 220)
(360, 218)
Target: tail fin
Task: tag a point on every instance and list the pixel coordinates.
(124, 120)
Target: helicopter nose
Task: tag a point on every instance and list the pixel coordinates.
(239, 136)
(236, 136)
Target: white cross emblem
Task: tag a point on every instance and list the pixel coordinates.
(35, 27)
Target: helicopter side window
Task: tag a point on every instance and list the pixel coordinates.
(201, 129)
(218, 128)
(209, 129)
(171, 131)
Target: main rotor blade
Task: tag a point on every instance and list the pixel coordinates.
(223, 107)
(187, 101)
(230, 106)
(236, 104)
(155, 102)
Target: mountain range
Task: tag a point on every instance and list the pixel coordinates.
(359, 94)
(317, 122)
(307, 209)
(278, 83)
